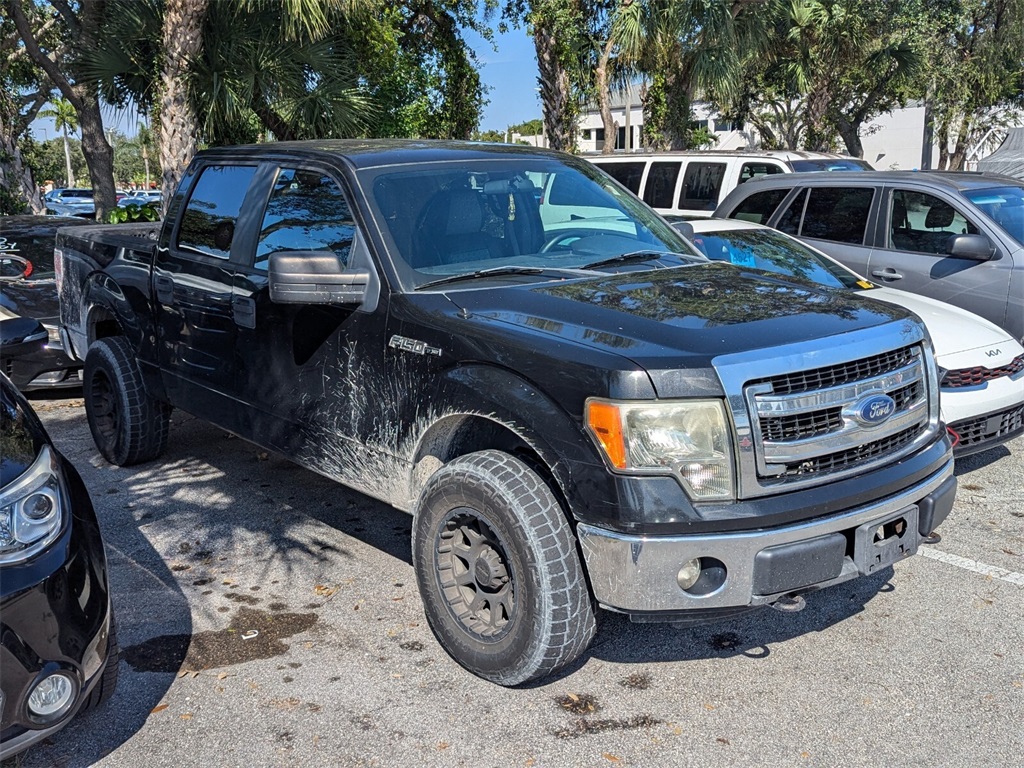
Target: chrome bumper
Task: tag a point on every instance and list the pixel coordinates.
(637, 574)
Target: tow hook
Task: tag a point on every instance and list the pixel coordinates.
(790, 604)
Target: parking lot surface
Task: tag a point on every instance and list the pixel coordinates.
(269, 617)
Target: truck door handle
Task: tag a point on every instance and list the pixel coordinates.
(164, 289)
(886, 274)
(243, 309)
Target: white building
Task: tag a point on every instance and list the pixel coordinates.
(892, 141)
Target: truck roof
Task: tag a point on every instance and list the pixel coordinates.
(370, 153)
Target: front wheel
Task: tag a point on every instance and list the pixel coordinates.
(128, 426)
(498, 570)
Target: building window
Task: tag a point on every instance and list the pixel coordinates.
(586, 134)
(599, 134)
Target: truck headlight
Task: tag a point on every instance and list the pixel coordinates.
(689, 439)
(30, 510)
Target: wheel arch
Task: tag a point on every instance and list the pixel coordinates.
(486, 407)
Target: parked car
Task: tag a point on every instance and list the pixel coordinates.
(141, 197)
(59, 654)
(28, 289)
(981, 366)
(956, 237)
(694, 182)
(574, 419)
(71, 202)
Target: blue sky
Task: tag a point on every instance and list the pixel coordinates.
(510, 72)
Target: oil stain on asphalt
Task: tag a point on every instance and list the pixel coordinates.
(252, 634)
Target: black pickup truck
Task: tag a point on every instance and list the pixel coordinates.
(578, 409)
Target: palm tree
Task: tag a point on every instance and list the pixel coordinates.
(65, 120)
(144, 136)
(685, 47)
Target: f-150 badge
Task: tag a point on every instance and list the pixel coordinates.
(414, 346)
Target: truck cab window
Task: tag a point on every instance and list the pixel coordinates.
(208, 222)
(307, 212)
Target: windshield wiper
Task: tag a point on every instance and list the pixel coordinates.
(639, 256)
(499, 271)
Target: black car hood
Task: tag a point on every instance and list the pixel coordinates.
(680, 318)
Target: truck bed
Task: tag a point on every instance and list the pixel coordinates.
(102, 241)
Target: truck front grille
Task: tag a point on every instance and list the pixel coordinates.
(834, 462)
(835, 375)
(816, 423)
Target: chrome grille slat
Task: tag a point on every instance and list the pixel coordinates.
(806, 431)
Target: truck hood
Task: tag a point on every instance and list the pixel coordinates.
(680, 318)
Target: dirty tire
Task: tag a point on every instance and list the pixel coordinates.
(128, 426)
(108, 682)
(498, 570)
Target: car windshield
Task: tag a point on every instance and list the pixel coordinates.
(538, 214)
(773, 251)
(77, 194)
(1004, 205)
(831, 164)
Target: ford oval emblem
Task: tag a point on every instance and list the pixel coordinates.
(874, 410)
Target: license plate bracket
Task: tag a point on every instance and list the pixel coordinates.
(885, 541)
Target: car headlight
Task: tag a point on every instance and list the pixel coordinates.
(31, 510)
(689, 439)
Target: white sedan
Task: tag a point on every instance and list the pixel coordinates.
(981, 365)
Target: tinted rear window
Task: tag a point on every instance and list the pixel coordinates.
(661, 184)
(701, 185)
(759, 207)
(627, 174)
(839, 213)
(208, 223)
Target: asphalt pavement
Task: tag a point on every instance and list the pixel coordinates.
(269, 617)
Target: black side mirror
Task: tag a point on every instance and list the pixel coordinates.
(684, 228)
(314, 277)
(976, 247)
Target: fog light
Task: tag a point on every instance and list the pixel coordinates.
(689, 573)
(51, 696)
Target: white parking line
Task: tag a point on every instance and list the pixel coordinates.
(973, 565)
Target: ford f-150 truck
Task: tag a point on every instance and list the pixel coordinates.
(579, 415)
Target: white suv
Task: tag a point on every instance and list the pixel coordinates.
(694, 182)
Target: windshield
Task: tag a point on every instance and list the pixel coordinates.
(1004, 205)
(773, 251)
(537, 212)
(831, 164)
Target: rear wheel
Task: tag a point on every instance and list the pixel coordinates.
(497, 567)
(128, 426)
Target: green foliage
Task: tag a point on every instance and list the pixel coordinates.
(497, 137)
(133, 213)
(337, 69)
(529, 128)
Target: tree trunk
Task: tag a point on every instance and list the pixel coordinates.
(555, 92)
(179, 128)
(604, 99)
(69, 174)
(817, 136)
(99, 157)
(850, 134)
(16, 179)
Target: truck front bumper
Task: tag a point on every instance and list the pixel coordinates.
(639, 575)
